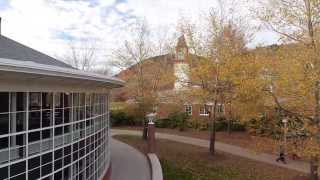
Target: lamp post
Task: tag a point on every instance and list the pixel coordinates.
(285, 124)
(151, 132)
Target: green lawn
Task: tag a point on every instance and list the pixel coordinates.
(186, 162)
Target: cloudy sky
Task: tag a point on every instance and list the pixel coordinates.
(48, 25)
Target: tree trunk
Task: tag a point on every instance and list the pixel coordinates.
(212, 116)
(314, 161)
(230, 119)
(314, 168)
(229, 125)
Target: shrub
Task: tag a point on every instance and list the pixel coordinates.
(199, 124)
(237, 126)
(121, 118)
(222, 125)
(178, 120)
(162, 123)
(174, 120)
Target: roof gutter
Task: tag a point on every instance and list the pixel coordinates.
(29, 67)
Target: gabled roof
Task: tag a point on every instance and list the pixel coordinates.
(10, 49)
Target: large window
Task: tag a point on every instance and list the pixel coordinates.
(46, 135)
(204, 110)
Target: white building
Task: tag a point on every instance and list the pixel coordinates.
(54, 119)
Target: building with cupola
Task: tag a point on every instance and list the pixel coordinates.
(178, 64)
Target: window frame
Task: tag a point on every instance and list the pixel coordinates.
(203, 111)
(188, 109)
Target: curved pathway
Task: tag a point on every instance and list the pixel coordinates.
(128, 163)
(300, 166)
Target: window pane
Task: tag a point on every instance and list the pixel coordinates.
(47, 140)
(67, 129)
(46, 158)
(34, 101)
(34, 120)
(67, 160)
(57, 164)
(47, 118)
(4, 143)
(46, 134)
(4, 173)
(18, 122)
(47, 100)
(18, 149)
(4, 151)
(34, 136)
(17, 168)
(58, 175)
(82, 99)
(18, 101)
(67, 115)
(67, 150)
(18, 140)
(58, 116)
(33, 163)
(34, 174)
(67, 100)
(58, 131)
(4, 99)
(88, 96)
(58, 154)
(81, 111)
(58, 100)
(66, 173)
(4, 124)
(47, 169)
(75, 99)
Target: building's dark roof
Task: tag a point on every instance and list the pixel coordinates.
(11, 49)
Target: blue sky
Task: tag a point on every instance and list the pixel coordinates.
(4, 4)
(49, 25)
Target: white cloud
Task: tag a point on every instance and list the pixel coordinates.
(47, 24)
(122, 7)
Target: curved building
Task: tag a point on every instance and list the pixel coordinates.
(54, 119)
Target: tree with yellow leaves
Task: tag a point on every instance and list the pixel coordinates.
(295, 86)
(211, 77)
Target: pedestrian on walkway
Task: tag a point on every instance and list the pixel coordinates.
(281, 155)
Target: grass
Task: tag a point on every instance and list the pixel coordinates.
(186, 162)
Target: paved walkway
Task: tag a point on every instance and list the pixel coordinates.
(300, 166)
(128, 163)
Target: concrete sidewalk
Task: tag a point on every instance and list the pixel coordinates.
(300, 166)
(128, 163)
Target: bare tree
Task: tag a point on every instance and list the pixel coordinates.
(133, 53)
(82, 55)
